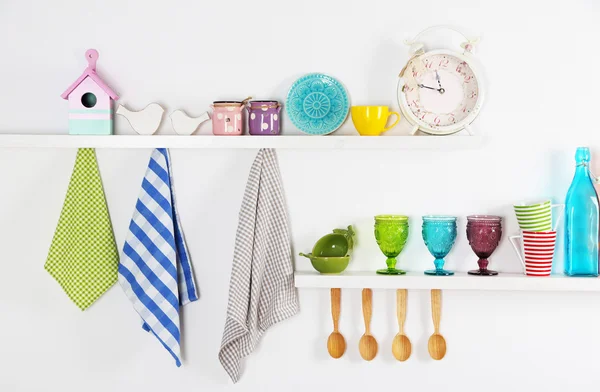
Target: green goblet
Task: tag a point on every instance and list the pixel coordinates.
(391, 233)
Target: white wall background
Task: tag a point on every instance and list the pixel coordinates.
(540, 61)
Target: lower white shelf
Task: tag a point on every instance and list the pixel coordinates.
(459, 281)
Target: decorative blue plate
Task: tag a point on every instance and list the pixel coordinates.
(317, 104)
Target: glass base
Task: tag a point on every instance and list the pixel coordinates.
(391, 271)
(581, 272)
(481, 272)
(441, 272)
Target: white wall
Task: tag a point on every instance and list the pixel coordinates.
(540, 61)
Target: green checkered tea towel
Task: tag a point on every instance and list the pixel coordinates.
(83, 257)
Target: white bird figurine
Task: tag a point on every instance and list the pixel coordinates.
(146, 121)
(186, 125)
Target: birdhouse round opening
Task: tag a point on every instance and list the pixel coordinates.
(88, 100)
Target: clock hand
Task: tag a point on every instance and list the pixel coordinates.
(439, 90)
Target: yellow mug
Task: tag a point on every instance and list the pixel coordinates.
(372, 120)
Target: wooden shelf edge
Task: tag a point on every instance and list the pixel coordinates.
(459, 281)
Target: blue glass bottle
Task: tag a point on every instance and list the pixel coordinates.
(581, 217)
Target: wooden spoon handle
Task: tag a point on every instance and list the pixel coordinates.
(367, 296)
(436, 308)
(336, 296)
(401, 308)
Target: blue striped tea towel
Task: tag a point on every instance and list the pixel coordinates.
(155, 271)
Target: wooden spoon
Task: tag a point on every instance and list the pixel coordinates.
(336, 344)
(437, 343)
(401, 347)
(367, 345)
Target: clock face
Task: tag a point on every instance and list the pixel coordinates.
(441, 92)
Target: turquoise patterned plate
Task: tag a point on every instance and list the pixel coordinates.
(317, 104)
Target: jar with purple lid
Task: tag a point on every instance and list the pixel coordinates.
(264, 117)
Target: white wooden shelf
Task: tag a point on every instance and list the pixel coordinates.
(247, 141)
(459, 281)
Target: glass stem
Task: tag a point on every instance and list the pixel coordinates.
(439, 264)
(391, 263)
(483, 264)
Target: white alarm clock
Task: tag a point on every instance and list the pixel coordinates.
(440, 91)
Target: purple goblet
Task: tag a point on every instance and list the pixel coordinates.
(483, 233)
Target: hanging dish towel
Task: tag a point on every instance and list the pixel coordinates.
(83, 257)
(155, 271)
(261, 290)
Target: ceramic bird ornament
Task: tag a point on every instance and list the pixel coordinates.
(186, 125)
(145, 121)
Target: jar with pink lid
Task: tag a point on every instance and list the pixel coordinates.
(227, 118)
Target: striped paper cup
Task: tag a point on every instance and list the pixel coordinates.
(536, 251)
(537, 216)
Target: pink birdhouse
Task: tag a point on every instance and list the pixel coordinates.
(90, 101)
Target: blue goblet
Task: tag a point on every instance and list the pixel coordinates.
(439, 234)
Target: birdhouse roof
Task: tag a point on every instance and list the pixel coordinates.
(91, 56)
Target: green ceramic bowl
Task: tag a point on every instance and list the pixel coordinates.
(337, 244)
(328, 265)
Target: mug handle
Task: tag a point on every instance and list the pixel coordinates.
(561, 207)
(395, 122)
(512, 239)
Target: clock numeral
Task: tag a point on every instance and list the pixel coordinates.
(423, 116)
(437, 121)
(452, 119)
(468, 79)
(473, 94)
(464, 109)
(428, 64)
(414, 103)
(459, 68)
(444, 63)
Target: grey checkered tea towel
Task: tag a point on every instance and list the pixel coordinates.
(261, 290)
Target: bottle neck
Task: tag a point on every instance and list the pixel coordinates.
(582, 170)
